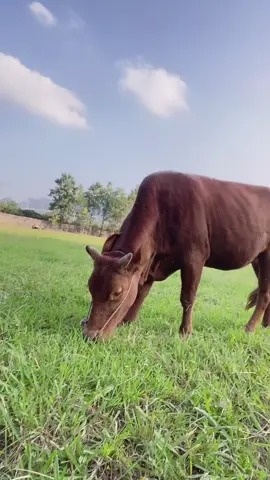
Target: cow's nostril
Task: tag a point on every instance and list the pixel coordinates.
(92, 335)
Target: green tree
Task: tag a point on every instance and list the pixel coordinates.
(119, 207)
(94, 199)
(82, 216)
(64, 197)
(132, 197)
(106, 204)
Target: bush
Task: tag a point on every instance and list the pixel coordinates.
(9, 206)
(34, 214)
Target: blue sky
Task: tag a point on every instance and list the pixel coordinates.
(206, 109)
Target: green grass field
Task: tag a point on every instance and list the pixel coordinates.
(144, 405)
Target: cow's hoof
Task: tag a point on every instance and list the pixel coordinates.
(249, 329)
(184, 335)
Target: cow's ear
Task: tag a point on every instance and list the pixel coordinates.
(110, 242)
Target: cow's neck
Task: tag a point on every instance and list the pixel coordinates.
(138, 232)
(140, 245)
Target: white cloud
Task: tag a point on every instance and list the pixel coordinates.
(39, 95)
(75, 22)
(42, 14)
(161, 92)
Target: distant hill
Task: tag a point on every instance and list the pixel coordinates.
(6, 199)
(38, 204)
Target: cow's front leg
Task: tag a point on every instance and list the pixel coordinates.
(190, 276)
(134, 309)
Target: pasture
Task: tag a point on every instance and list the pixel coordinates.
(144, 405)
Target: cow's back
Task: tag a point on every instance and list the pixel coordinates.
(227, 221)
(181, 210)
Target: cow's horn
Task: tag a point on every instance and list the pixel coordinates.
(125, 260)
(94, 254)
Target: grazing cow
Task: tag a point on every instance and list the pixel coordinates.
(180, 222)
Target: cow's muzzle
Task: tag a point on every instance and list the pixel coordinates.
(91, 334)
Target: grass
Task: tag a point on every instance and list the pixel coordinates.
(145, 405)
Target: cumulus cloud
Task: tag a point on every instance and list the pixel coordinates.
(42, 14)
(161, 92)
(39, 95)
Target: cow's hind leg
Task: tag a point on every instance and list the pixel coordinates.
(266, 318)
(262, 270)
(252, 299)
(190, 274)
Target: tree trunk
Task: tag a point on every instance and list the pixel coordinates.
(101, 227)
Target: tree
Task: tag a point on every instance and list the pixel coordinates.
(98, 203)
(64, 195)
(82, 216)
(107, 204)
(132, 197)
(119, 207)
(94, 197)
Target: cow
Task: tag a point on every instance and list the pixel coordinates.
(180, 222)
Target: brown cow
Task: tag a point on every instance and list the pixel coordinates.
(180, 222)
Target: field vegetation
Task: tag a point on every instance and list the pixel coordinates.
(144, 405)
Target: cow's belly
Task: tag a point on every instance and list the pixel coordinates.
(236, 256)
(228, 263)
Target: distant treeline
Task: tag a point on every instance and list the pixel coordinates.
(9, 206)
(96, 210)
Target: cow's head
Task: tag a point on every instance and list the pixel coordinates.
(113, 286)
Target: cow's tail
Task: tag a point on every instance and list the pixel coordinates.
(252, 299)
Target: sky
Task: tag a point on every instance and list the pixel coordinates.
(112, 91)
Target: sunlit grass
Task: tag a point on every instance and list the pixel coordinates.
(145, 404)
(27, 232)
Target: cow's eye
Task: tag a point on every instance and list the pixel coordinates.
(116, 293)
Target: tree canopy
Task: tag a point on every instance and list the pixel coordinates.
(64, 196)
(102, 207)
